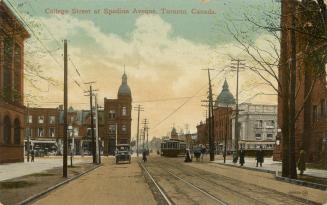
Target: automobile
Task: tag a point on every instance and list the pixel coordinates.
(123, 153)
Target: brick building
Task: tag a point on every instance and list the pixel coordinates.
(311, 126)
(117, 118)
(202, 132)
(12, 37)
(222, 118)
(44, 127)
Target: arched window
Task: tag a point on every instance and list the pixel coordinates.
(6, 130)
(17, 131)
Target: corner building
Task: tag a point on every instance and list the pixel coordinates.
(12, 109)
(117, 117)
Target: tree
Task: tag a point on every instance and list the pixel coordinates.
(272, 64)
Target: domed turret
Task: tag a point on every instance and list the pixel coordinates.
(124, 89)
(225, 98)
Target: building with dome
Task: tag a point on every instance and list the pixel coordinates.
(222, 113)
(118, 118)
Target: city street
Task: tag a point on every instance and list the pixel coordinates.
(109, 184)
(181, 183)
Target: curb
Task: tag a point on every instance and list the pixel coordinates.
(248, 168)
(36, 196)
(284, 179)
(303, 183)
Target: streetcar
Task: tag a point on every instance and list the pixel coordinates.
(173, 148)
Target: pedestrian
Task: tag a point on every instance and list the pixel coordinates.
(203, 152)
(32, 155)
(144, 156)
(301, 162)
(242, 157)
(259, 156)
(235, 158)
(188, 157)
(197, 154)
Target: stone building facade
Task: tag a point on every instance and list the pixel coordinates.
(257, 127)
(117, 118)
(12, 109)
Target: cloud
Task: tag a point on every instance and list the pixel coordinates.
(159, 65)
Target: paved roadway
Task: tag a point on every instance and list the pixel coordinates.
(110, 184)
(191, 183)
(207, 183)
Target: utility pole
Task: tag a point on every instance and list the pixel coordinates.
(145, 125)
(99, 138)
(147, 137)
(92, 120)
(210, 120)
(237, 64)
(97, 129)
(292, 163)
(65, 174)
(139, 108)
(28, 135)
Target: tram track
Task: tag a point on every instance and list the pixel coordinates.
(220, 189)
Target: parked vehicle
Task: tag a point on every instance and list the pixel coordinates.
(123, 153)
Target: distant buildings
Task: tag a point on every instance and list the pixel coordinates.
(222, 113)
(117, 118)
(257, 124)
(44, 128)
(257, 127)
(12, 37)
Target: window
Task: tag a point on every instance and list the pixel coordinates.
(270, 124)
(258, 124)
(7, 74)
(112, 114)
(41, 119)
(17, 74)
(124, 111)
(269, 136)
(30, 119)
(52, 119)
(6, 130)
(28, 132)
(314, 114)
(17, 131)
(40, 132)
(52, 132)
(258, 136)
(123, 128)
(112, 129)
(322, 107)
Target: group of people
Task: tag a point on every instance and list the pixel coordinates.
(260, 159)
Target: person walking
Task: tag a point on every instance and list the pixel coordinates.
(203, 152)
(301, 162)
(259, 157)
(242, 157)
(144, 153)
(32, 155)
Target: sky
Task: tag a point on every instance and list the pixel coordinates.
(164, 53)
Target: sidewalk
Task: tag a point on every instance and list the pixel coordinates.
(14, 170)
(271, 166)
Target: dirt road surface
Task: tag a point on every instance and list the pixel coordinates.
(110, 184)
